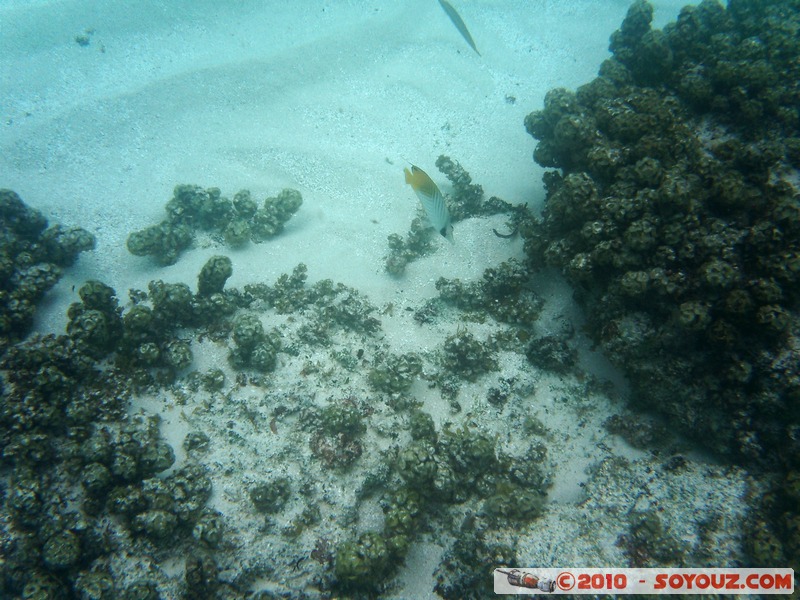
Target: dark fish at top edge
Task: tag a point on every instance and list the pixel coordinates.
(459, 23)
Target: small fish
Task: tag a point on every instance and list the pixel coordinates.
(431, 199)
(459, 23)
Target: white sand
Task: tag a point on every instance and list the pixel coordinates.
(314, 95)
(328, 97)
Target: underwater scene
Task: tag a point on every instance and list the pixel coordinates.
(364, 299)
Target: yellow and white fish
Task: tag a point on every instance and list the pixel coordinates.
(432, 200)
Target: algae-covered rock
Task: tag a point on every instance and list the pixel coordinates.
(417, 243)
(271, 496)
(466, 357)
(196, 441)
(396, 374)
(164, 242)
(158, 525)
(244, 205)
(193, 208)
(269, 221)
(209, 528)
(96, 479)
(336, 432)
(462, 571)
(201, 575)
(421, 426)
(61, 550)
(90, 328)
(362, 564)
(31, 258)
(20, 218)
(552, 353)
(97, 585)
(237, 232)
(213, 275)
(511, 503)
(255, 348)
(172, 303)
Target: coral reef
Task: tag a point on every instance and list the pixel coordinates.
(194, 208)
(459, 466)
(675, 216)
(504, 292)
(61, 418)
(31, 257)
(61, 411)
(675, 213)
